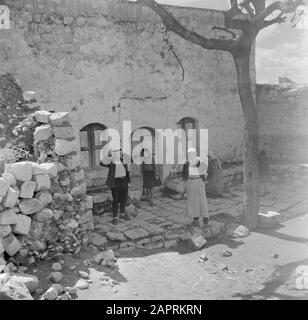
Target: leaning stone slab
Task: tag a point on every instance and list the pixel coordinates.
(20, 170)
(10, 199)
(42, 182)
(64, 147)
(11, 245)
(8, 217)
(4, 187)
(27, 189)
(43, 132)
(30, 206)
(59, 119)
(42, 116)
(45, 168)
(64, 132)
(23, 225)
(5, 230)
(136, 234)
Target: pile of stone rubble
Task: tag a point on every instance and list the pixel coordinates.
(44, 209)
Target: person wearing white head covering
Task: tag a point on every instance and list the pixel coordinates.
(194, 174)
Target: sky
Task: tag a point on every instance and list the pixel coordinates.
(281, 50)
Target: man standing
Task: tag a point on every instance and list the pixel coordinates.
(118, 180)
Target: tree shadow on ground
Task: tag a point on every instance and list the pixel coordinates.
(280, 278)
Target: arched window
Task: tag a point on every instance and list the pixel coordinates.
(91, 145)
(187, 124)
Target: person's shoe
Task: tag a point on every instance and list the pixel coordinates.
(151, 204)
(124, 216)
(115, 220)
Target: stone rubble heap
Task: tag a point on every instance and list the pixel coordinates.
(44, 209)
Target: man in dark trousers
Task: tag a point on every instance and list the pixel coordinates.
(118, 180)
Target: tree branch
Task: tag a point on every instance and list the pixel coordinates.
(283, 6)
(279, 19)
(173, 25)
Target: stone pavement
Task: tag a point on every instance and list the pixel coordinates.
(166, 223)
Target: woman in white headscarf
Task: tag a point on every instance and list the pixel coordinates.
(194, 174)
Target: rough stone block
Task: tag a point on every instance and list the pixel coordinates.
(9, 178)
(197, 241)
(42, 182)
(8, 217)
(30, 206)
(42, 133)
(64, 132)
(77, 175)
(20, 170)
(5, 231)
(64, 147)
(31, 282)
(44, 215)
(42, 116)
(4, 187)
(10, 199)
(45, 168)
(237, 231)
(11, 245)
(268, 219)
(27, 189)
(23, 225)
(87, 217)
(59, 119)
(45, 197)
(79, 190)
(73, 162)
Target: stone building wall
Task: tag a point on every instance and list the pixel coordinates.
(283, 119)
(44, 209)
(88, 56)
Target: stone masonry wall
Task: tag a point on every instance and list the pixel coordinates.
(44, 208)
(283, 118)
(86, 57)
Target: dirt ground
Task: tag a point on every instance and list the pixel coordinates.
(260, 267)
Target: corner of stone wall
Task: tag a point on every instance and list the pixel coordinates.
(44, 208)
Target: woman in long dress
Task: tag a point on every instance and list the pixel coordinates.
(149, 175)
(194, 174)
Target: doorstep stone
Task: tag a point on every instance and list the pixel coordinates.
(136, 234)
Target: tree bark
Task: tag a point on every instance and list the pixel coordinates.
(250, 154)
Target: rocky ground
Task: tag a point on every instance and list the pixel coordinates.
(232, 265)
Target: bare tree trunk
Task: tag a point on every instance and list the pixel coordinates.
(250, 156)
